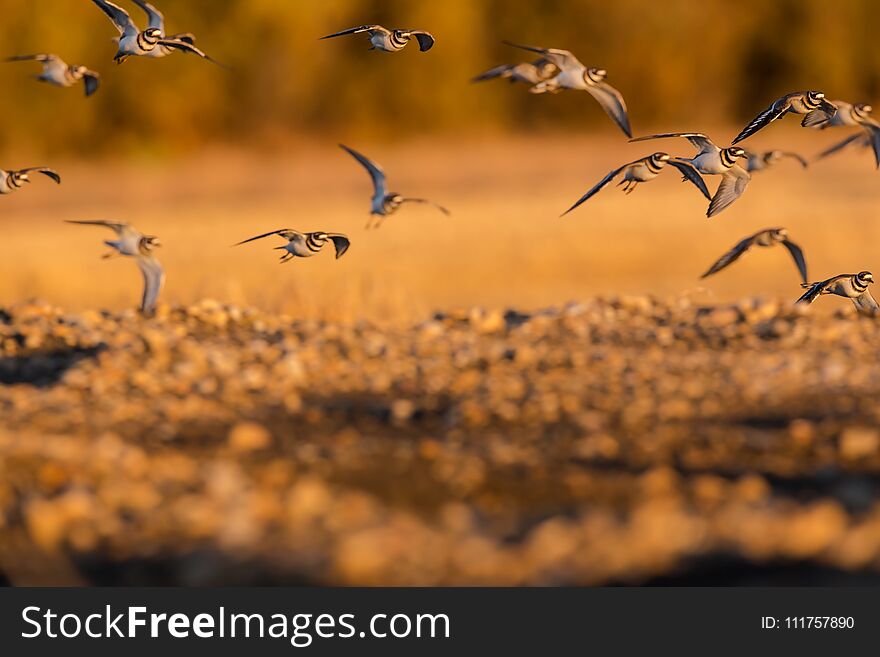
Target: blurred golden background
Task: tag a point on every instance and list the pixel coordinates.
(204, 157)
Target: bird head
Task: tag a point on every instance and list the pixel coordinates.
(595, 75)
(152, 34)
(735, 152)
(862, 109)
(148, 243)
(779, 234)
(815, 97)
(659, 158)
(20, 176)
(865, 277)
(321, 236)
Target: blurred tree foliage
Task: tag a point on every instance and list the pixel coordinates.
(681, 64)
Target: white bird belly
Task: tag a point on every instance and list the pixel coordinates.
(709, 163)
(4, 186)
(640, 173)
(300, 249)
(572, 79)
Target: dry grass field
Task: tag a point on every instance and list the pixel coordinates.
(503, 246)
(361, 421)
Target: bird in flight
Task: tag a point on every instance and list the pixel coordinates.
(14, 180)
(851, 115)
(132, 243)
(574, 75)
(852, 286)
(305, 245)
(643, 170)
(766, 237)
(152, 42)
(712, 160)
(59, 74)
(763, 160)
(386, 40)
(800, 102)
(530, 73)
(383, 202)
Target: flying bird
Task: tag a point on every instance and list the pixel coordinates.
(13, 180)
(59, 74)
(846, 114)
(767, 237)
(386, 40)
(383, 202)
(800, 102)
(849, 115)
(152, 42)
(852, 286)
(305, 245)
(530, 73)
(714, 161)
(574, 75)
(132, 243)
(643, 170)
(765, 159)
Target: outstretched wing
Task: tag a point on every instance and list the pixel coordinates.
(597, 187)
(186, 46)
(733, 184)
(375, 171)
(286, 233)
(115, 226)
(731, 256)
(866, 304)
(340, 243)
(119, 16)
(797, 255)
(689, 171)
(814, 291)
(502, 71)
(561, 58)
(157, 20)
(816, 119)
(612, 102)
(697, 139)
(801, 159)
(32, 58)
(873, 138)
(357, 30)
(154, 277)
(425, 39)
(859, 138)
(49, 173)
(776, 110)
(426, 202)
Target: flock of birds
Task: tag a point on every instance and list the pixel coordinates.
(553, 72)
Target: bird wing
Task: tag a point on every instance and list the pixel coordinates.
(697, 139)
(777, 109)
(32, 58)
(340, 242)
(731, 256)
(797, 255)
(154, 277)
(866, 304)
(115, 226)
(492, 73)
(356, 30)
(873, 138)
(186, 46)
(92, 81)
(816, 118)
(157, 20)
(375, 171)
(425, 39)
(119, 16)
(49, 173)
(426, 202)
(561, 58)
(598, 186)
(286, 233)
(800, 158)
(862, 137)
(814, 290)
(689, 171)
(612, 102)
(733, 184)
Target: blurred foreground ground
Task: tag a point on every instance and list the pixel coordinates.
(615, 441)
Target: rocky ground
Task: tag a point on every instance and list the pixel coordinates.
(617, 441)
